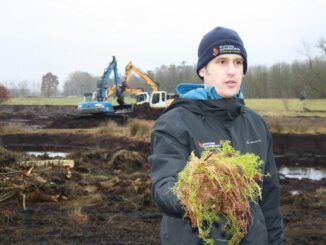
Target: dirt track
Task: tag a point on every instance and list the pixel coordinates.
(107, 200)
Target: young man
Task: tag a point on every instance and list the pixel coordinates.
(197, 121)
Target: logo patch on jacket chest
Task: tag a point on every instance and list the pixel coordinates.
(249, 142)
(209, 145)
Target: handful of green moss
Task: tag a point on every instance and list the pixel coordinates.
(222, 183)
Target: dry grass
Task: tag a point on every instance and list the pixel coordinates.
(287, 126)
(135, 128)
(14, 130)
(6, 216)
(140, 128)
(90, 200)
(112, 128)
(77, 215)
(11, 130)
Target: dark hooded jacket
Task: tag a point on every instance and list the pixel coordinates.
(197, 125)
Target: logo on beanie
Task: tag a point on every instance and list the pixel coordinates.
(224, 49)
(215, 51)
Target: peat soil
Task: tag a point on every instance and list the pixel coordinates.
(67, 117)
(60, 117)
(107, 200)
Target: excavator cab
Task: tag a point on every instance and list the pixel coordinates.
(158, 99)
(142, 98)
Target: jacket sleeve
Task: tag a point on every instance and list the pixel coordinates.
(271, 199)
(168, 157)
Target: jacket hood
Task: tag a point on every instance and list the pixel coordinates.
(205, 101)
(201, 92)
(227, 108)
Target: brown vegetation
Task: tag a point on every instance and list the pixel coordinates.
(4, 94)
(107, 199)
(222, 183)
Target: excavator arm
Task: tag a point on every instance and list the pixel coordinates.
(103, 83)
(156, 99)
(112, 90)
(99, 102)
(104, 90)
(131, 68)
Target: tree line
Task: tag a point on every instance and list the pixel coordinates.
(300, 78)
(306, 78)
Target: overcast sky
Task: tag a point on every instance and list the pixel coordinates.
(63, 36)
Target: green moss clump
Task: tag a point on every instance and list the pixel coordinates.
(220, 183)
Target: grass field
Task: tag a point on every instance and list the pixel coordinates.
(55, 101)
(44, 101)
(288, 107)
(270, 107)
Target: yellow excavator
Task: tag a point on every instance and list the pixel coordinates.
(131, 68)
(124, 85)
(124, 88)
(156, 99)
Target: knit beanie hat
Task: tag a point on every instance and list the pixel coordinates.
(219, 41)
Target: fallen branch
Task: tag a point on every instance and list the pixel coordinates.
(47, 163)
(67, 164)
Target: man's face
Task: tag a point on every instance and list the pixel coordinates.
(225, 73)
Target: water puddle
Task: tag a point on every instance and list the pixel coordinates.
(51, 154)
(294, 193)
(303, 172)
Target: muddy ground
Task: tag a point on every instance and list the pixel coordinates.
(36, 117)
(67, 117)
(107, 199)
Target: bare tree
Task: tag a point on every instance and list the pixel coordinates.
(321, 44)
(49, 85)
(23, 89)
(314, 73)
(169, 76)
(79, 83)
(256, 83)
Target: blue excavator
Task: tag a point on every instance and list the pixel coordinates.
(97, 102)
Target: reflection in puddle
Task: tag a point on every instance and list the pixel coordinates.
(295, 192)
(51, 154)
(303, 172)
